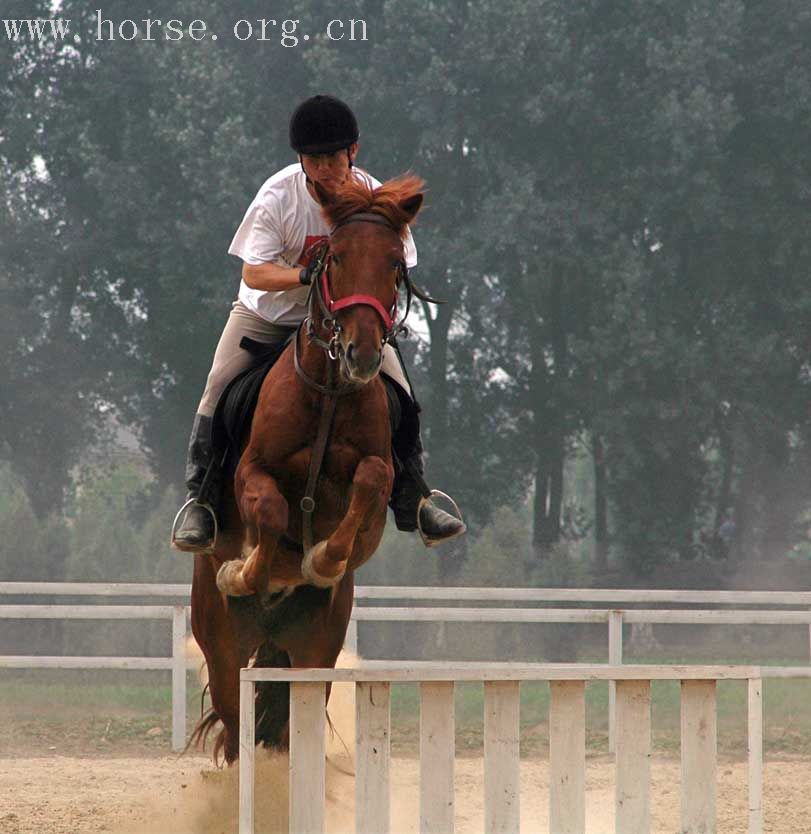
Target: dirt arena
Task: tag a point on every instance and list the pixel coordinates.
(168, 795)
(59, 794)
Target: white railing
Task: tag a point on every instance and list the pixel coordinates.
(177, 663)
(615, 618)
(567, 753)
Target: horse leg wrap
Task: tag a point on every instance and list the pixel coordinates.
(231, 579)
(318, 570)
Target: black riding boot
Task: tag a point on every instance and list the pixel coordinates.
(437, 525)
(194, 528)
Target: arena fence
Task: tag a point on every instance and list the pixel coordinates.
(424, 608)
(177, 663)
(567, 734)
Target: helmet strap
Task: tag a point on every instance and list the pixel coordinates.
(309, 181)
(306, 178)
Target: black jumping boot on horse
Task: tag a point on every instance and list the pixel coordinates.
(414, 510)
(195, 527)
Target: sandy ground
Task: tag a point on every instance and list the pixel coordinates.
(62, 795)
(75, 794)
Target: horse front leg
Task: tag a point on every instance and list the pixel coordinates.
(262, 505)
(325, 564)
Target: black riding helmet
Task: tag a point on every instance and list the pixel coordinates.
(322, 124)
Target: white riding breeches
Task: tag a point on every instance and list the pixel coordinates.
(230, 359)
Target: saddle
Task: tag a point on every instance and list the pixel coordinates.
(237, 404)
(235, 409)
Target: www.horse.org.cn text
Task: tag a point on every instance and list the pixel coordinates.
(284, 32)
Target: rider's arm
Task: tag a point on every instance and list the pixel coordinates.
(259, 241)
(270, 277)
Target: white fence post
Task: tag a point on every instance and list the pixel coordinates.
(502, 790)
(698, 757)
(307, 757)
(179, 678)
(372, 755)
(809, 642)
(247, 756)
(615, 659)
(567, 757)
(351, 639)
(755, 747)
(632, 789)
(437, 757)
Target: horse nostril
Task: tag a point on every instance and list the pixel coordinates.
(350, 351)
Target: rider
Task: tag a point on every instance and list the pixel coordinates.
(280, 226)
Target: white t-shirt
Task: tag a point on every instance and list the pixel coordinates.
(280, 226)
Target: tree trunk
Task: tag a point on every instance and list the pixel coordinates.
(600, 506)
(548, 435)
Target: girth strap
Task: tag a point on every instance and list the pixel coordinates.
(316, 459)
(329, 400)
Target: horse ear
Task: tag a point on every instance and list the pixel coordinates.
(411, 205)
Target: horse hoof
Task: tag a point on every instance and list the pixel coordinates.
(230, 579)
(310, 572)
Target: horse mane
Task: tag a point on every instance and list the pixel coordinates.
(358, 195)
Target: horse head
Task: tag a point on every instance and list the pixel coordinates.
(364, 268)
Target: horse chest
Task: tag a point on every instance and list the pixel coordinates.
(340, 461)
(339, 464)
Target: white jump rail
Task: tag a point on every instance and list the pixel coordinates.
(501, 743)
(799, 599)
(615, 618)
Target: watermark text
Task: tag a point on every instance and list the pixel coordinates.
(287, 32)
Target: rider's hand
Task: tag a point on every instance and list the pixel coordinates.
(307, 274)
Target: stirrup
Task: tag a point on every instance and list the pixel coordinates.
(210, 510)
(427, 540)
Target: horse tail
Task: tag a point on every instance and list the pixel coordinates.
(199, 736)
(205, 725)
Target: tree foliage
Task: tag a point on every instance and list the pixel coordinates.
(617, 215)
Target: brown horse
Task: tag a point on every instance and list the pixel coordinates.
(279, 586)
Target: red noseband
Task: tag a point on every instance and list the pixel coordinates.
(334, 305)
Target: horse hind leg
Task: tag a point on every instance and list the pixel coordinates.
(272, 700)
(225, 640)
(325, 564)
(307, 630)
(319, 644)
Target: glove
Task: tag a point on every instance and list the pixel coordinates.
(313, 268)
(305, 276)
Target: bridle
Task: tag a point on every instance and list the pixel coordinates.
(320, 300)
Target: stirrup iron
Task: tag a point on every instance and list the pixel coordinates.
(428, 542)
(210, 510)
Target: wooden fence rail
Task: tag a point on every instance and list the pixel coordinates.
(177, 663)
(501, 743)
(615, 618)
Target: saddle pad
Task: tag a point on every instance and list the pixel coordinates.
(237, 403)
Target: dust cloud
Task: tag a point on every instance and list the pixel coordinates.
(208, 802)
(180, 799)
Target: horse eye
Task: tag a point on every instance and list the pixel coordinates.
(335, 260)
